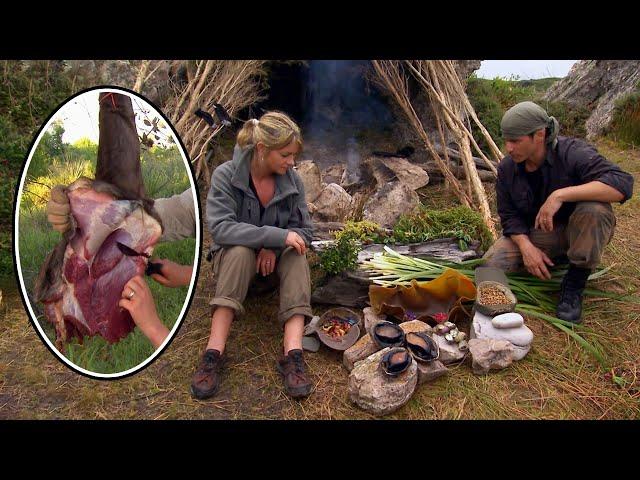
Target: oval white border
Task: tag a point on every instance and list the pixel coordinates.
(16, 233)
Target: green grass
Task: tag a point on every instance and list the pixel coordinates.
(625, 124)
(492, 98)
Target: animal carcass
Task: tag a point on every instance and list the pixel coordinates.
(82, 279)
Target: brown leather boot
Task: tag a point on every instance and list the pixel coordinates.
(293, 369)
(206, 380)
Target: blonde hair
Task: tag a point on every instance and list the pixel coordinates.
(274, 129)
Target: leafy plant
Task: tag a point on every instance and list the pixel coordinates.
(342, 256)
(625, 124)
(426, 224)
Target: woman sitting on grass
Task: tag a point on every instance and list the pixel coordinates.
(258, 219)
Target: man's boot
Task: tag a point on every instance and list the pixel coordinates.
(206, 380)
(570, 303)
(292, 368)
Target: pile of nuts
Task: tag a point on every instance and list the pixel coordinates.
(452, 334)
(490, 295)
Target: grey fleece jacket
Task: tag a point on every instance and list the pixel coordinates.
(233, 210)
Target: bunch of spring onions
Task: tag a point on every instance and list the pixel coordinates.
(390, 268)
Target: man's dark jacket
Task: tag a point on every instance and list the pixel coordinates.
(572, 162)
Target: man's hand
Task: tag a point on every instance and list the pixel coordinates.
(59, 210)
(536, 261)
(296, 241)
(172, 274)
(138, 301)
(265, 262)
(544, 219)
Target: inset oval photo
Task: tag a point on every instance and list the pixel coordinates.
(106, 237)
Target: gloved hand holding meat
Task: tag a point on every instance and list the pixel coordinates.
(113, 230)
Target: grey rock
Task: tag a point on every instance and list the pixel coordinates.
(386, 170)
(333, 204)
(333, 174)
(359, 351)
(481, 327)
(311, 343)
(596, 85)
(487, 354)
(310, 328)
(375, 392)
(389, 202)
(507, 320)
(428, 372)
(449, 352)
(416, 326)
(371, 318)
(310, 175)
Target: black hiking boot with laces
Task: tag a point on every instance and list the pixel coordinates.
(293, 369)
(570, 303)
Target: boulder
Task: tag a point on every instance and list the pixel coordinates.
(389, 202)
(310, 175)
(333, 204)
(374, 391)
(333, 174)
(488, 354)
(392, 169)
(596, 85)
(359, 351)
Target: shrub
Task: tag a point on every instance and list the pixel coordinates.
(625, 124)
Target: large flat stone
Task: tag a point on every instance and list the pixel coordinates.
(359, 351)
(449, 352)
(416, 326)
(375, 392)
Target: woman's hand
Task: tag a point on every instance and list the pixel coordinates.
(59, 210)
(296, 241)
(265, 262)
(172, 274)
(138, 301)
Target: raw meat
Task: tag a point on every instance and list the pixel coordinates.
(82, 279)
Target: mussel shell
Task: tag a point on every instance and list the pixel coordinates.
(463, 346)
(454, 332)
(461, 337)
(387, 334)
(422, 346)
(396, 361)
(441, 329)
(449, 338)
(451, 325)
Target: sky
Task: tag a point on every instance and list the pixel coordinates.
(525, 69)
(80, 117)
